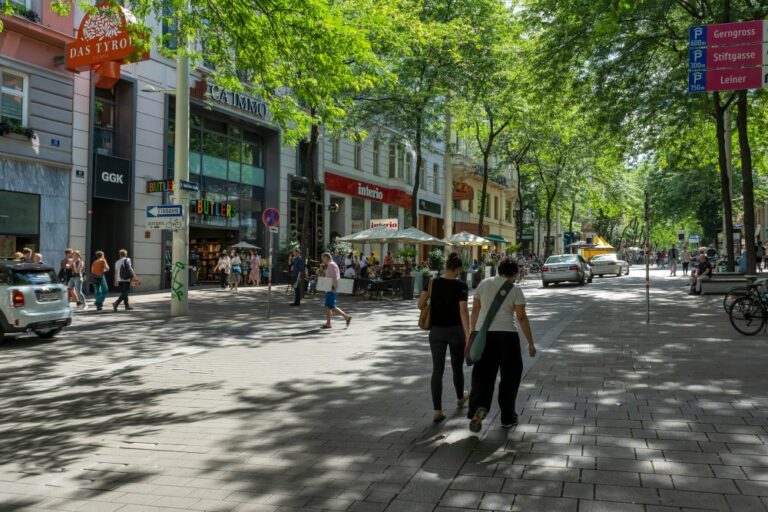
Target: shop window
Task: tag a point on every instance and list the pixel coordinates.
(436, 178)
(336, 151)
(19, 213)
(376, 155)
(393, 160)
(508, 211)
(214, 144)
(495, 207)
(21, 5)
(376, 210)
(471, 208)
(105, 122)
(358, 154)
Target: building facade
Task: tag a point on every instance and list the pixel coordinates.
(36, 137)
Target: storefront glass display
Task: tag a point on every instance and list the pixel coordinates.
(19, 222)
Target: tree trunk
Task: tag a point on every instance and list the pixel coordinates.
(747, 184)
(417, 175)
(550, 203)
(570, 224)
(306, 228)
(725, 183)
(483, 199)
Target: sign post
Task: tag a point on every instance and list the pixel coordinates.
(271, 219)
(166, 216)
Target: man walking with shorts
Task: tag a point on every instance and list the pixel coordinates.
(332, 271)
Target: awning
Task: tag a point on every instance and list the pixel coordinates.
(497, 238)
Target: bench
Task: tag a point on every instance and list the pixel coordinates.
(721, 285)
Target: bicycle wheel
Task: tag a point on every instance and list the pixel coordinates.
(748, 316)
(731, 296)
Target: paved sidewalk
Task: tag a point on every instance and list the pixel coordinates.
(232, 413)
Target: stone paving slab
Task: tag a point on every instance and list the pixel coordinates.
(227, 412)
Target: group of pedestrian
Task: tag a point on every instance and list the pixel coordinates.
(232, 269)
(28, 256)
(498, 309)
(72, 273)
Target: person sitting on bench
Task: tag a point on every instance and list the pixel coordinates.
(702, 272)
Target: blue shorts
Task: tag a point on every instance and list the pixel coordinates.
(330, 300)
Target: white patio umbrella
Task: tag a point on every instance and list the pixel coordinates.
(416, 236)
(244, 245)
(466, 239)
(379, 234)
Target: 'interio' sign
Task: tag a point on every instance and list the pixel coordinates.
(336, 183)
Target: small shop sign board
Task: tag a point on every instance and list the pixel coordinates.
(387, 223)
(324, 284)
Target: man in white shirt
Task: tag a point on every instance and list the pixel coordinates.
(332, 271)
(124, 274)
(350, 272)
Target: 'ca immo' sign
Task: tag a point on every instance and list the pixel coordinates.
(104, 43)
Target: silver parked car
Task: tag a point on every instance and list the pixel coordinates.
(609, 264)
(565, 268)
(32, 300)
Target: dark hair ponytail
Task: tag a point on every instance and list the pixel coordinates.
(453, 262)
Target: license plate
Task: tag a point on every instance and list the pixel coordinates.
(561, 270)
(49, 296)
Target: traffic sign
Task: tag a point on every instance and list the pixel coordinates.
(723, 57)
(728, 79)
(270, 217)
(693, 238)
(274, 229)
(165, 211)
(725, 34)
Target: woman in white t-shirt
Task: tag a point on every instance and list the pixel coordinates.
(502, 348)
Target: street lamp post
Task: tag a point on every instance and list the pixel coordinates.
(180, 250)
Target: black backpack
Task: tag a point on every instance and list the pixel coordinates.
(125, 270)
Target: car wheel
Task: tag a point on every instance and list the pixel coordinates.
(590, 279)
(619, 274)
(48, 333)
(627, 272)
(583, 281)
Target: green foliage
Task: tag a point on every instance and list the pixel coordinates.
(437, 259)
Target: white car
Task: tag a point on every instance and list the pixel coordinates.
(561, 268)
(609, 264)
(32, 300)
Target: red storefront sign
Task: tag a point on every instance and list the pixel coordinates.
(336, 183)
(103, 44)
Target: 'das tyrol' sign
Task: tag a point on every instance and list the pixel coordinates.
(104, 43)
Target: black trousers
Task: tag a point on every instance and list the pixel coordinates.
(501, 355)
(223, 278)
(440, 340)
(124, 287)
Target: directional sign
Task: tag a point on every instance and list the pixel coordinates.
(693, 239)
(165, 211)
(728, 79)
(728, 56)
(724, 34)
(271, 217)
(274, 229)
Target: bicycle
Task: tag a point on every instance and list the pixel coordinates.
(749, 314)
(742, 291)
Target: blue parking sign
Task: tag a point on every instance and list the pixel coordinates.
(697, 58)
(697, 36)
(697, 81)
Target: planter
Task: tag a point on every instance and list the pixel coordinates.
(406, 285)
